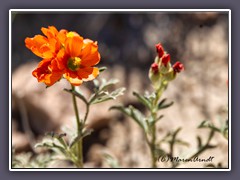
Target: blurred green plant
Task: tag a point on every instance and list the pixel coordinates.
(111, 160)
(29, 160)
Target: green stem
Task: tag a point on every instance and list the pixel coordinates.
(79, 132)
(87, 111)
(152, 144)
(80, 153)
(153, 139)
(76, 111)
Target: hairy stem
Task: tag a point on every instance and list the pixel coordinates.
(153, 135)
(79, 132)
(87, 111)
(153, 142)
(76, 111)
(154, 110)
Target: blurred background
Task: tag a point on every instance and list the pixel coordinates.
(127, 46)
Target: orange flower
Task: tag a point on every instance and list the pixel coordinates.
(47, 72)
(45, 46)
(78, 59)
(64, 54)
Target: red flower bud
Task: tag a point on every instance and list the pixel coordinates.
(160, 50)
(178, 67)
(154, 68)
(166, 59)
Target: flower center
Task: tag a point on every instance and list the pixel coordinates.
(74, 63)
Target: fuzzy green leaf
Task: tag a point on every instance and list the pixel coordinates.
(75, 139)
(211, 146)
(105, 96)
(163, 105)
(105, 84)
(145, 101)
(77, 94)
(151, 122)
(51, 146)
(181, 142)
(160, 117)
(101, 69)
(207, 124)
(162, 102)
(138, 117)
(150, 97)
(134, 114)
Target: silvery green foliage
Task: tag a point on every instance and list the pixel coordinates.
(101, 93)
(65, 143)
(28, 160)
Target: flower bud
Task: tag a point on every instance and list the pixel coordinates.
(155, 75)
(154, 68)
(178, 67)
(159, 50)
(170, 75)
(166, 59)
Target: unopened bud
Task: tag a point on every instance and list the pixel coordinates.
(166, 59)
(154, 68)
(159, 50)
(178, 67)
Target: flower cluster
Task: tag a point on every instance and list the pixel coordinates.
(64, 54)
(161, 71)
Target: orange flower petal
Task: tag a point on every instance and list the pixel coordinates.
(74, 45)
(50, 32)
(73, 81)
(54, 45)
(36, 45)
(51, 79)
(44, 47)
(88, 73)
(37, 41)
(90, 55)
(46, 72)
(62, 35)
(40, 46)
(87, 41)
(47, 54)
(62, 59)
